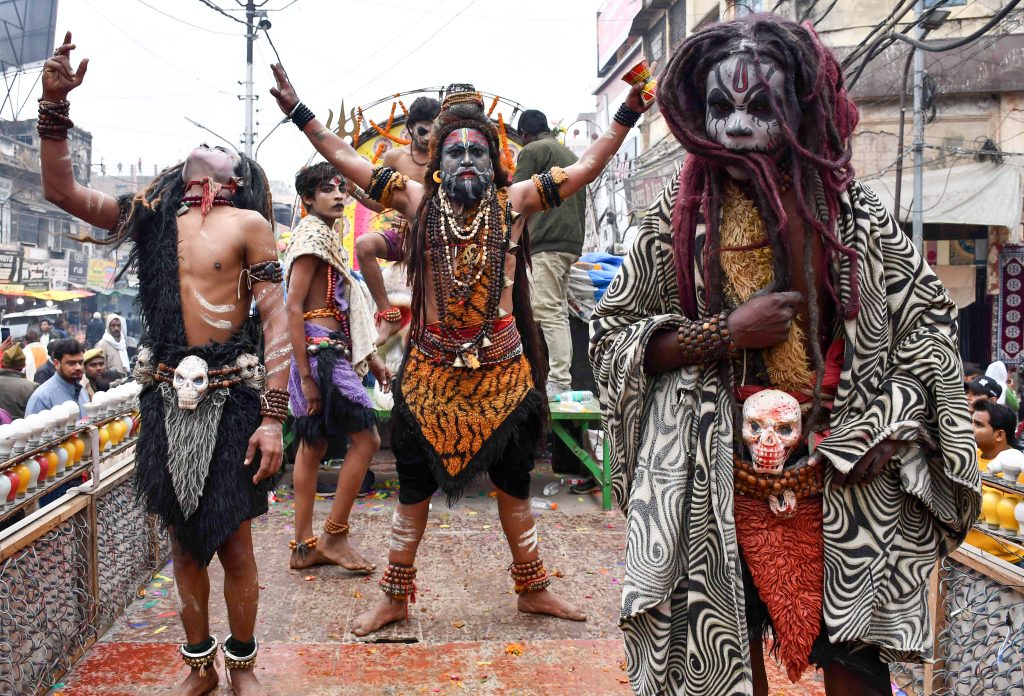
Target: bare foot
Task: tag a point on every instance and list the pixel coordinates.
(387, 611)
(196, 685)
(244, 683)
(387, 329)
(544, 602)
(333, 549)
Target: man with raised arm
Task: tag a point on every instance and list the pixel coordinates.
(469, 398)
(410, 160)
(203, 247)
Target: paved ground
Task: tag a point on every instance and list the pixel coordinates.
(463, 632)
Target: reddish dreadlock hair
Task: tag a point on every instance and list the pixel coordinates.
(816, 117)
(453, 116)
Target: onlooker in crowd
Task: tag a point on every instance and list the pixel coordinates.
(994, 431)
(66, 383)
(47, 332)
(97, 378)
(982, 389)
(15, 389)
(972, 371)
(60, 325)
(46, 370)
(31, 336)
(556, 242)
(114, 346)
(94, 331)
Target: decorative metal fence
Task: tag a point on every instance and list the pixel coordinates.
(65, 577)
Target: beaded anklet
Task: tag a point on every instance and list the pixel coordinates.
(332, 527)
(529, 576)
(201, 660)
(303, 547)
(233, 661)
(398, 582)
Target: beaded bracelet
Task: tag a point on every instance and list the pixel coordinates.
(275, 404)
(627, 116)
(54, 122)
(390, 315)
(300, 115)
(708, 339)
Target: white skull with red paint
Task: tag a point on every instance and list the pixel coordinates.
(771, 429)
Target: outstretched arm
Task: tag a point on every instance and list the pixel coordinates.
(526, 199)
(337, 151)
(59, 185)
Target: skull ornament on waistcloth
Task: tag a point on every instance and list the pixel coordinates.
(771, 429)
(191, 380)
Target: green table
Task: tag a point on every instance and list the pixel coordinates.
(570, 412)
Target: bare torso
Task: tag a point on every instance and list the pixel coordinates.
(404, 161)
(211, 256)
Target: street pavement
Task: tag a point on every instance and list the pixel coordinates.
(464, 635)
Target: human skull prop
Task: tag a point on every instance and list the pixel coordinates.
(191, 380)
(252, 373)
(771, 429)
(143, 370)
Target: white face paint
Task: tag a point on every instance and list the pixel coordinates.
(739, 115)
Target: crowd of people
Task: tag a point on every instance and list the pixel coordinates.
(778, 366)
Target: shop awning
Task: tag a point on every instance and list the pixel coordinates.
(973, 194)
(53, 295)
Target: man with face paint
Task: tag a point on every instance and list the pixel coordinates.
(410, 160)
(766, 265)
(204, 250)
(469, 399)
(332, 333)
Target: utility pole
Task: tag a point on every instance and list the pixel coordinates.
(918, 205)
(250, 36)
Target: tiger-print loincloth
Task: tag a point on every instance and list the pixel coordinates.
(464, 418)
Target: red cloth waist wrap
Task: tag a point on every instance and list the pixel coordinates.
(786, 555)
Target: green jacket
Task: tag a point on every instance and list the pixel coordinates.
(561, 228)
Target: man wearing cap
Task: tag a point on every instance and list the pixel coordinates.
(982, 389)
(556, 242)
(95, 378)
(94, 331)
(15, 389)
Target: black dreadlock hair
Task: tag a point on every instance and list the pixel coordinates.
(452, 118)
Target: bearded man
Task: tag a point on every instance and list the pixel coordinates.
(469, 398)
(203, 247)
(767, 266)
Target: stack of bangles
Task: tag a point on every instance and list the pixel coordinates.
(530, 576)
(384, 181)
(54, 121)
(300, 115)
(275, 404)
(707, 339)
(627, 116)
(547, 185)
(391, 315)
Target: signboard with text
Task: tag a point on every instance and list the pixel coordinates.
(100, 275)
(78, 268)
(10, 266)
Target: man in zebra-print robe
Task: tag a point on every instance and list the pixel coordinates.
(901, 484)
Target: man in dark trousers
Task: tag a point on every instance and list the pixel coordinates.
(556, 242)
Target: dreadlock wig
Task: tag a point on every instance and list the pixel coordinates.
(816, 118)
(470, 114)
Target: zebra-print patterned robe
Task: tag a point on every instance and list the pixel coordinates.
(672, 443)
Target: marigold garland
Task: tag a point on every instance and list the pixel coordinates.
(386, 130)
(506, 152)
(405, 111)
(378, 152)
(494, 103)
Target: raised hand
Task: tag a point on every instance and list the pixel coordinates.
(58, 77)
(284, 93)
(763, 321)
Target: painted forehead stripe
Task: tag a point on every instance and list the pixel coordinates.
(465, 136)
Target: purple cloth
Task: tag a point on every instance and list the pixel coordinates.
(345, 379)
(393, 238)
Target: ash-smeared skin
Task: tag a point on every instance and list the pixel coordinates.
(466, 168)
(739, 114)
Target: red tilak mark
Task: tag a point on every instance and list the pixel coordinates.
(740, 79)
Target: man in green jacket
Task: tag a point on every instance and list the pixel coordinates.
(556, 242)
